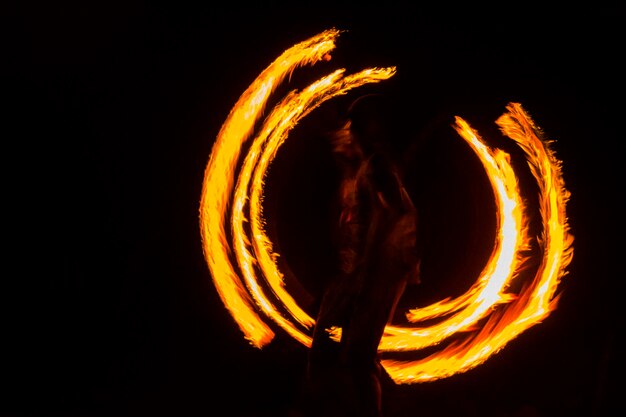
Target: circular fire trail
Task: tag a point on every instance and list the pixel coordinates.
(483, 320)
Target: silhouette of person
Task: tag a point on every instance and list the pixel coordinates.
(376, 242)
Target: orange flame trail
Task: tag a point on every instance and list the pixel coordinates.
(536, 300)
(483, 320)
(217, 186)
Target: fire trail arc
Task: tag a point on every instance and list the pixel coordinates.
(483, 320)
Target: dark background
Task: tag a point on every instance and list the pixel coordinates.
(110, 307)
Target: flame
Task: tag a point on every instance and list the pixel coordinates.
(537, 299)
(217, 187)
(482, 320)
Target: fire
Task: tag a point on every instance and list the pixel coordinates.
(483, 319)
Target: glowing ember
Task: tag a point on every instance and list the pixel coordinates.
(482, 320)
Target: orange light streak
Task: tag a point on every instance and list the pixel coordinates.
(235, 268)
(273, 133)
(537, 299)
(218, 183)
(504, 261)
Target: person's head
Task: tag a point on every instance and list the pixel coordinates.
(370, 122)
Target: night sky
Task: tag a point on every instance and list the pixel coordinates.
(110, 306)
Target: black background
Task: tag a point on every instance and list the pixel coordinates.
(110, 307)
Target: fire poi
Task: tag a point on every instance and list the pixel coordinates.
(484, 319)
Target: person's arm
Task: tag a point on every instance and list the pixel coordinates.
(388, 186)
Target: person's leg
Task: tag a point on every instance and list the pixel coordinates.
(329, 385)
(382, 289)
(334, 309)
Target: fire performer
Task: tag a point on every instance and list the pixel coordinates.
(377, 256)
